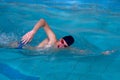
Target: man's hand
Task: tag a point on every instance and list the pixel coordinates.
(28, 37)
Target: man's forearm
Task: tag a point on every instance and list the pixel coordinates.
(38, 25)
(49, 32)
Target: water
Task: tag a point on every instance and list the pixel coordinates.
(94, 55)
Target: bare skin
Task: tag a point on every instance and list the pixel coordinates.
(51, 37)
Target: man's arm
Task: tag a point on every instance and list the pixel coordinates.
(41, 23)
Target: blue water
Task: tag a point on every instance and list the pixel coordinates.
(95, 26)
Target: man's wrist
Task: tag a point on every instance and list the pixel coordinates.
(33, 31)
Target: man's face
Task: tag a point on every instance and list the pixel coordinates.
(62, 44)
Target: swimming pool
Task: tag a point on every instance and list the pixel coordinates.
(94, 24)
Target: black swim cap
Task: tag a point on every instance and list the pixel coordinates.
(69, 40)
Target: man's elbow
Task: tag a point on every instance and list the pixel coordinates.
(42, 20)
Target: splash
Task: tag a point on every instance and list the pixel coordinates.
(5, 39)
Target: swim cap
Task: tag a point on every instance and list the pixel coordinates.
(69, 40)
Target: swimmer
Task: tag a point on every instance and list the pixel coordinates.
(51, 40)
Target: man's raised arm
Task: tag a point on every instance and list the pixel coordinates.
(41, 23)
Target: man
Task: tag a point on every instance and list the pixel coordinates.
(51, 40)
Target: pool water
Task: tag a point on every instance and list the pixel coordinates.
(95, 26)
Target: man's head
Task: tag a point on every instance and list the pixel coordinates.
(66, 41)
